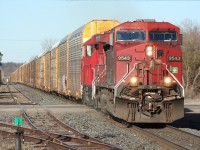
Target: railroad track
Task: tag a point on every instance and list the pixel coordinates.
(169, 137)
(43, 121)
(10, 96)
(30, 136)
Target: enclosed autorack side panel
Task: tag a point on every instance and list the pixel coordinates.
(30, 73)
(27, 80)
(38, 72)
(13, 76)
(54, 68)
(62, 65)
(24, 73)
(42, 71)
(47, 70)
(20, 75)
(76, 40)
(34, 72)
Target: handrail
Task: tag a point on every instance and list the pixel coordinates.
(93, 84)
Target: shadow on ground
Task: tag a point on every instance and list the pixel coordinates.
(190, 120)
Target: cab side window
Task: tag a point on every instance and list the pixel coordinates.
(89, 50)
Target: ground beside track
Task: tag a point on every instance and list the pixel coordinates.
(191, 120)
(84, 119)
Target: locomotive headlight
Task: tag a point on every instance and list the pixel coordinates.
(134, 81)
(149, 50)
(167, 81)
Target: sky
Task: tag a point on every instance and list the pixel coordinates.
(26, 24)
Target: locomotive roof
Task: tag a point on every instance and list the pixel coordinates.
(146, 24)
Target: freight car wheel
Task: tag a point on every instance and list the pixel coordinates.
(96, 102)
(103, 97)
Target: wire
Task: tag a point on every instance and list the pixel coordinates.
(20, 40)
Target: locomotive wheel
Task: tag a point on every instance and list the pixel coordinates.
(96, 102)
(103, 98)
(85, 99)
(87, 96)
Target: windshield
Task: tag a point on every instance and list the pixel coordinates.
(163, 36)
(128, 35)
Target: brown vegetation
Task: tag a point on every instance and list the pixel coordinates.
(191, 58)
(47, 44)
(8, 68)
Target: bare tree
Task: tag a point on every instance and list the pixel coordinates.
(1, 56)
(47, 44)
(191, 58)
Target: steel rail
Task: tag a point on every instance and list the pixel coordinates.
(81, 138)
(27, 118)
(29, 121)
(86, 141)
(22, 94)
(189, 135)
(158, 139)
(33, 131)
(37, 140)
(77, 133)
(61, 137)
(14, 98)
(14, 103)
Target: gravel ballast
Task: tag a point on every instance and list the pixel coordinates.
(41, 97)
(92, 122)
(95, 124)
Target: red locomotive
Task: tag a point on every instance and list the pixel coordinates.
(134, 71)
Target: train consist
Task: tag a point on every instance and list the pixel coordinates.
(132, 70)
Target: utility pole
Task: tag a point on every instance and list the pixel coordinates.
(18, 145)
(18, 122)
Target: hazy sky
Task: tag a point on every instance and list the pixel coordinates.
(25, 24)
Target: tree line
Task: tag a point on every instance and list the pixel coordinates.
(191, 58)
